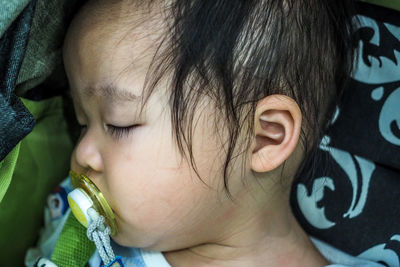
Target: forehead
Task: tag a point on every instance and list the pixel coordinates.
(110, 45)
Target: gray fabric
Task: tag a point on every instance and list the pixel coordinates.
(30, 55)
(43, 59)
(9, 11)
(15, 120)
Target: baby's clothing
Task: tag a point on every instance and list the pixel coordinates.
(57, 212)
(133, 257)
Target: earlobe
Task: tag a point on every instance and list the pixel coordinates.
(277, 125)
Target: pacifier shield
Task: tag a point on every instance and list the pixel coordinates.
(87, 195)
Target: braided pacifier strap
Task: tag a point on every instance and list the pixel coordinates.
(99, 233)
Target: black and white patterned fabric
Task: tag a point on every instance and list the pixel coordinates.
(353, 200)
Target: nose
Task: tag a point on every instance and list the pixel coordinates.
(87, 154)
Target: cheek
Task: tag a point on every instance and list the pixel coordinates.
(156, 198)
(146, 175)
(154, 191)
(158, 205)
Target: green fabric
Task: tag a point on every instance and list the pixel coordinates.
(42, 162)
(73, 248)
(393, 4)
(7, 167)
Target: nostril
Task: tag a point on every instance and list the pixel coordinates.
(75, 165)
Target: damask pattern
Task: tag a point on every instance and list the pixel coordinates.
(353, 201)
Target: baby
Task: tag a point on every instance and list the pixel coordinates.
(197, 115)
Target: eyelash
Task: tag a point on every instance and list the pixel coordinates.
(119, 132)
(115, 131)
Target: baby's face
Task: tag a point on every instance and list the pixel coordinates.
(158, 200)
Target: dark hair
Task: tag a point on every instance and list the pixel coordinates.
(239, 51)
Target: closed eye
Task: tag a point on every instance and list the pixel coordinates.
(119, 132)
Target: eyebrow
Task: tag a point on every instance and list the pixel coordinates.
(112, 93)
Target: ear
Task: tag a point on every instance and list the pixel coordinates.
(277, 128)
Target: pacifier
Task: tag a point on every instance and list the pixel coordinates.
(85, 198)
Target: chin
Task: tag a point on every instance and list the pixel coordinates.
(129, 237)
(126, 240)
(121, 240)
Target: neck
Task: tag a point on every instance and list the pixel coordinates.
(261, 238)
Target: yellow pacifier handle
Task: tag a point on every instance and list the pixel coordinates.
(86, 195)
